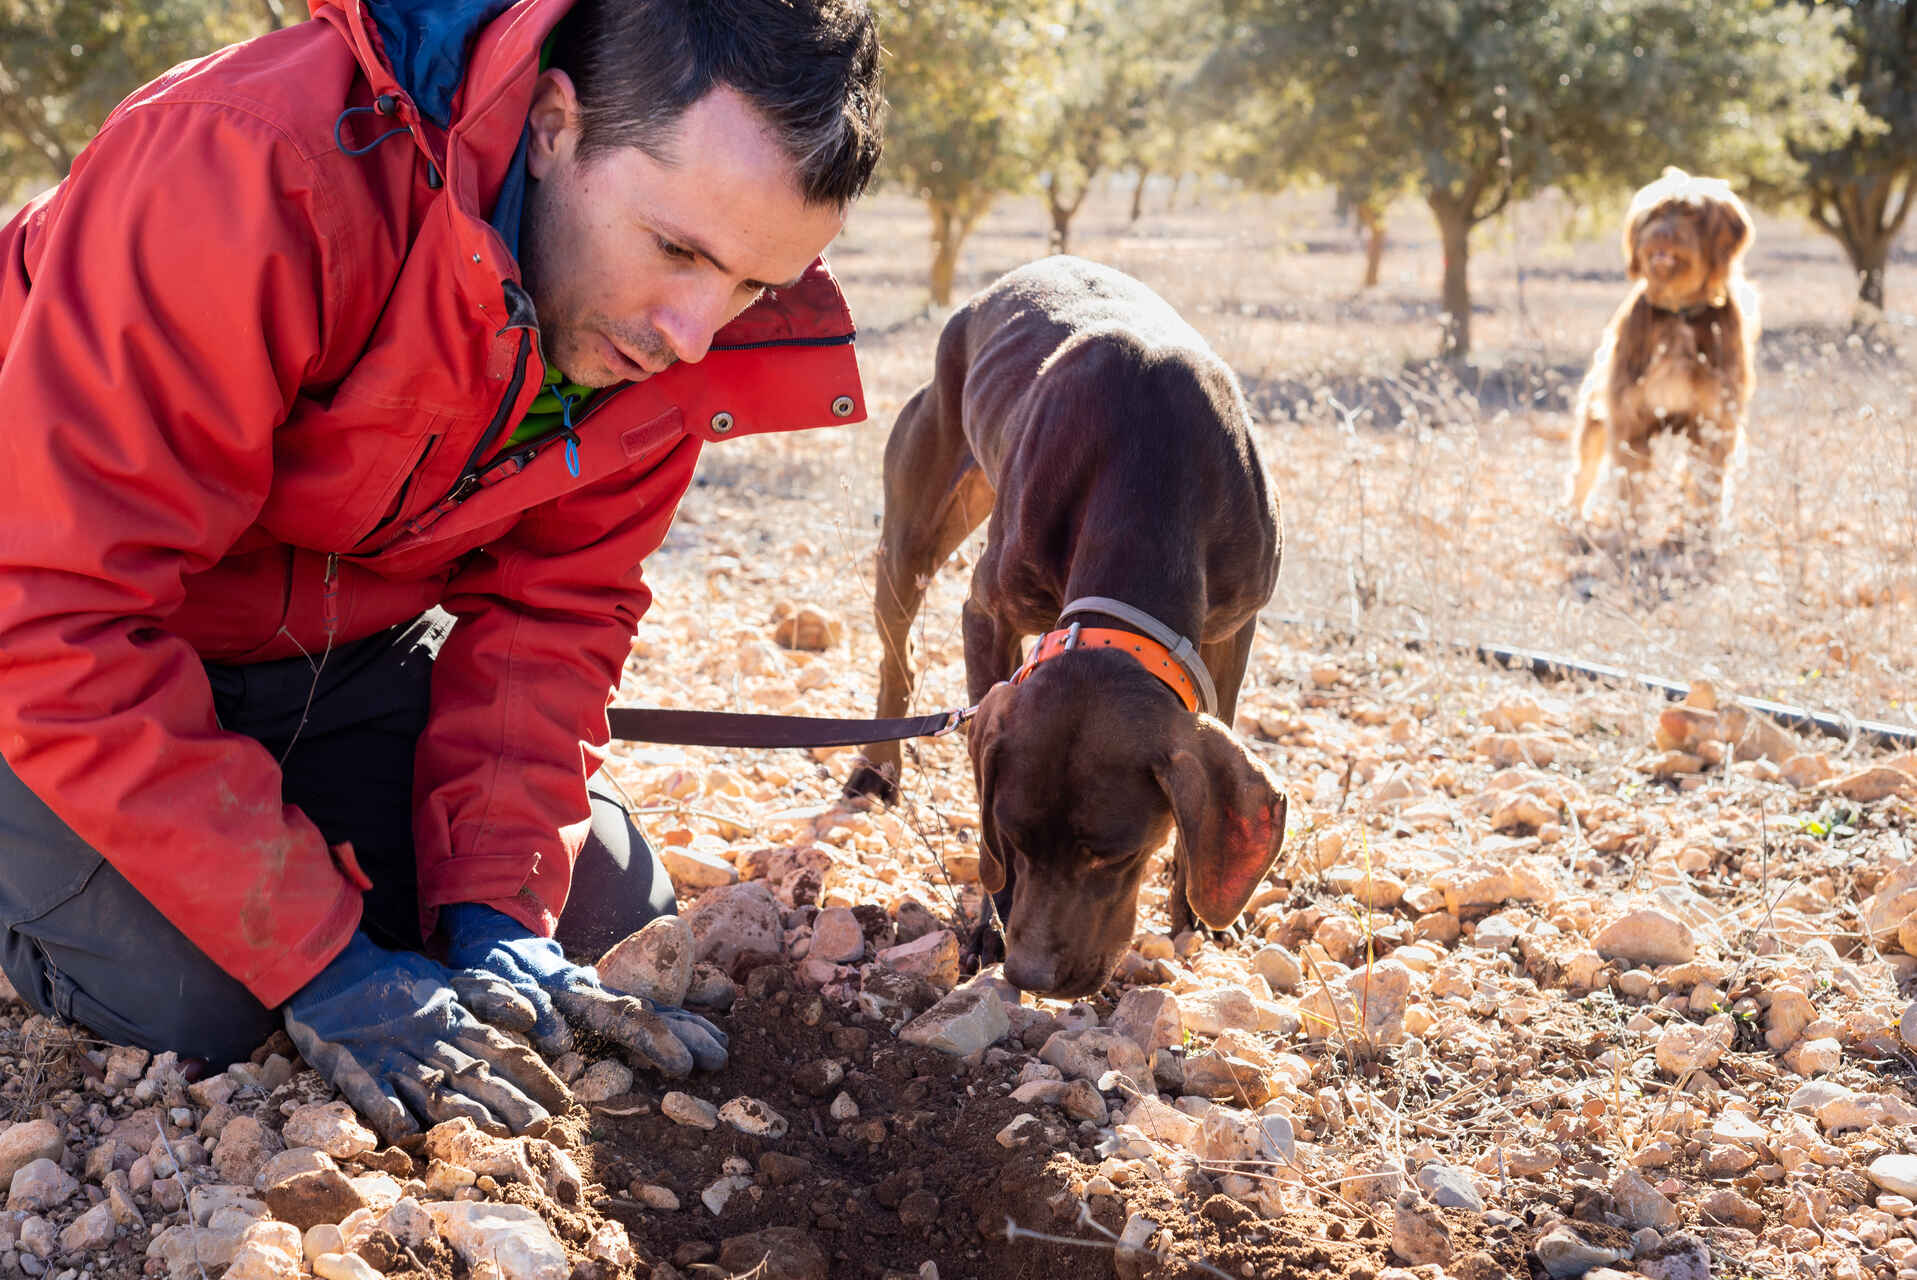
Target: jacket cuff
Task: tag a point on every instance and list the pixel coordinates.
(502, 881)
(305, 958)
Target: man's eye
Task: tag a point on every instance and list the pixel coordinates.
(672, 250)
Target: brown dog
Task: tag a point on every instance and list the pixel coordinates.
(1110, 447)
(1678, 356)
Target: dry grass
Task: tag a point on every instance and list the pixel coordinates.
(1419, 502)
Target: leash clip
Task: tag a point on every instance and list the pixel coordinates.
(953, 719)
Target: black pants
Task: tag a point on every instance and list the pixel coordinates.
(80, 943)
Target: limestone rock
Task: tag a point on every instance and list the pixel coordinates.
(1151, 1017)
(654, 962)
(330, 1126)
(837, 937)
(961, 1023)
(1418, 1233)
(934, 957)
(39, 1186)
(734, 921)
(1089, 1054)
(512, 1237)
(1647, 935)
(22, 1144)
(1641, 1204)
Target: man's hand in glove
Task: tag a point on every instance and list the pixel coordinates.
(490, 944)
(403, 1039)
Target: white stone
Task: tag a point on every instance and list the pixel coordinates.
(1363, 1005)
(322, 1239)
(91, 1230)
(1641, 1204)
(1565, 1253)
(749, 1115)
(330, 1126)
(934, 957)
(39, 1186)
(1686, 1046)
(603, 1079)
(695, 868)
(844, 1107)
(343, 1266)
(720, 1193)
(291, 1163)
(683, 1108)
(511, 1236)
(654, 1196)
(837, 937)
(1896, 1173)
(655, 962)
(1647, 935)
(21, 1144)
(1091, 1053)
(735, 920)
(961, 1023)
(1021, 1130)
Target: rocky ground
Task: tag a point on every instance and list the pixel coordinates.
(1551, 978)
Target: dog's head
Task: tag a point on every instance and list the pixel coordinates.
(1683, 237)
(1082, 771)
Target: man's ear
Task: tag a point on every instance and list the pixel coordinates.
(1231, 819)
(981, 741)
(552, 123)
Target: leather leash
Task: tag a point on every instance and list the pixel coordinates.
(733, 729)
(1175, 662)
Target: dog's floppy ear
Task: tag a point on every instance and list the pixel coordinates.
(1633, 227)
(982, 742)
(1727, 230)
(1230, 812)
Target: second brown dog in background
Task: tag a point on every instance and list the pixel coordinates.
(1678, 356)
(1130, 523)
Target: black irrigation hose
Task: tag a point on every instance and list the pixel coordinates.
(1831, 726)
(1550, 664)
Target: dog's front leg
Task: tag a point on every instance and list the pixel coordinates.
(991, 655)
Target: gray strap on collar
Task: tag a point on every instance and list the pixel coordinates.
(1183, 651)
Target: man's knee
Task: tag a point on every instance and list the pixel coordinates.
(158, 1002)
(618, 883)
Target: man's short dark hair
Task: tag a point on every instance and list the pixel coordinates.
(810, 67)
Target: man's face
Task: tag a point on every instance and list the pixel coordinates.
(633, 261)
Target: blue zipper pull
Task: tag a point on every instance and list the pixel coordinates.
(572, 440)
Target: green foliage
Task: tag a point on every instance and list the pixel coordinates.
(967, 107)
(64, 64)
(1476, 102)
(1859, 188)
(1115, 85)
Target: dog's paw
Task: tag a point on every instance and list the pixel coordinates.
(867, 779)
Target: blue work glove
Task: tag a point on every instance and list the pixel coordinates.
(490, 944)
(402, 1039)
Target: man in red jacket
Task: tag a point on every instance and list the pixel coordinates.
(350, 377)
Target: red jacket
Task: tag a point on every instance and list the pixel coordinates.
(250, 383)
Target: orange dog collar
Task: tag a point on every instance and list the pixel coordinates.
(1153, 656)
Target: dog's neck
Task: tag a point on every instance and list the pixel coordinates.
(1688, 311)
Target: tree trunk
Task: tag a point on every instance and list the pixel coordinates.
(1063, 211)
(1454, 228)
(1138, 196)
(1171, 197)
(1371, 221)
(1864, 215)
(951, 223)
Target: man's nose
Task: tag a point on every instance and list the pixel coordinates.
(688, 322)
